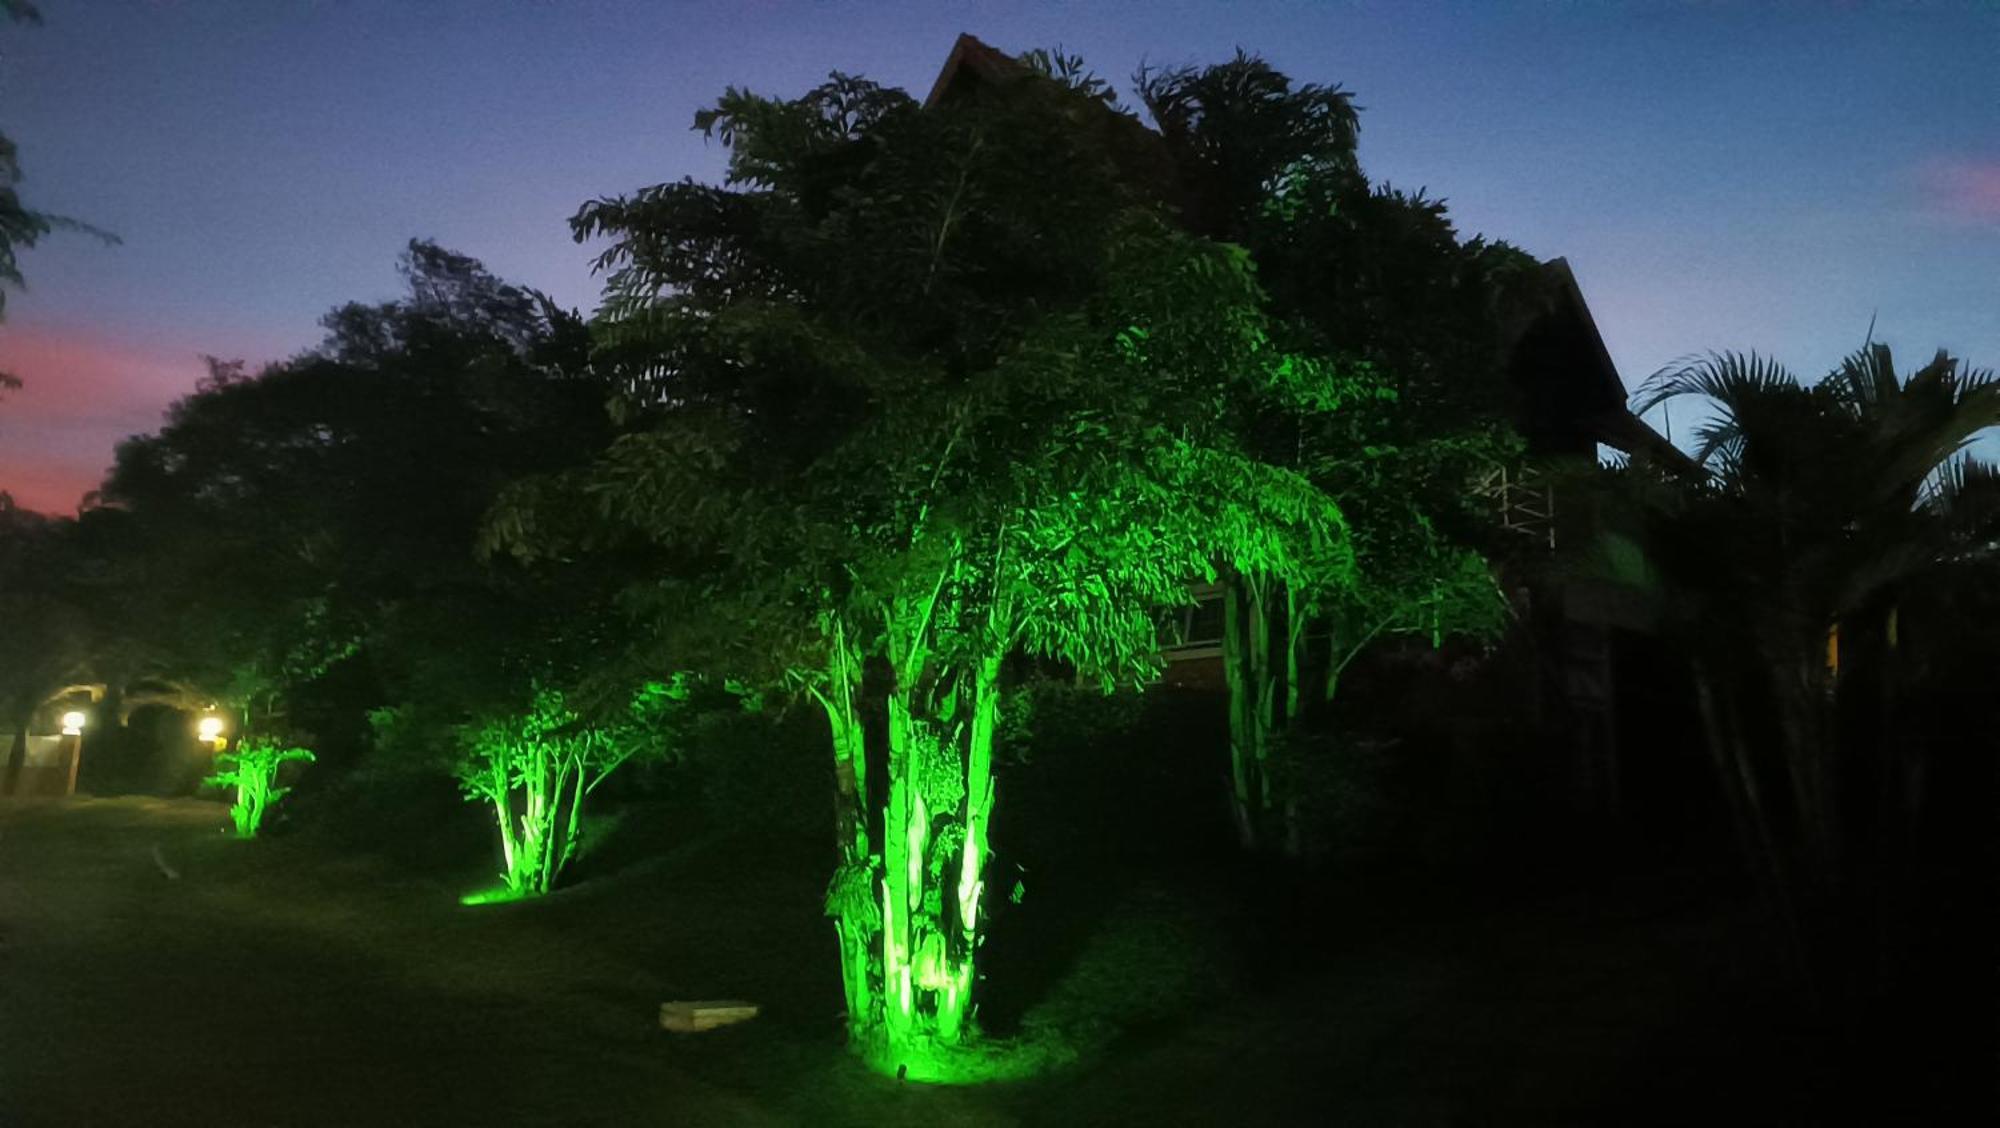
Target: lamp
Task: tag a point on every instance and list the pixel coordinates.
(72, 723)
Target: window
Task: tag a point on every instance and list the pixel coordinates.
(1196, 631)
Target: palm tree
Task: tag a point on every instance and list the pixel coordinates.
(1783, 566)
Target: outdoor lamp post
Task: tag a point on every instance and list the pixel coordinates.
(72, 734)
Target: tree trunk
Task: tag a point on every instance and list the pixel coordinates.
(17, 756)
(1803, 700)
(955, 1009)
(905, 841)
(934, 851)
(505, 819)
(1757, 837)
(1242, 716)
(1253, 708)
(1263, 648)
(1295, 643)
(850, 897)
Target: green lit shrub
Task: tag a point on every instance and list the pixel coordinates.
(536, 768)
(253, 771)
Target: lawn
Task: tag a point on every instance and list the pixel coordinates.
(288, 982)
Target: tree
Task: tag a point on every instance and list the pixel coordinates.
(252, 770)
(49, 630)
(1380, 278)
(319, 515)
(21, 227)
(536, 768)
(1783, 568)
(920, 392)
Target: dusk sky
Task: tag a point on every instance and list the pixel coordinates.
(1747, 176)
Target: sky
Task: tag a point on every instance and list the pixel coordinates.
(1767, 176)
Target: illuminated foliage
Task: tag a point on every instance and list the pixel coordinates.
(1380, 277)
(1287, 643)
(252, 770)
(535, 769)
(921, 392)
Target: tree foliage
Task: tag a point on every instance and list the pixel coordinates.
(322, 512)
(21, 226)
(536, 767)
(1420, 319)
(50, 631)
(252, 771)
(921, 392)
(1821, 510)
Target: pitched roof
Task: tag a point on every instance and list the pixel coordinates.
(1561, 361)
(972, 62)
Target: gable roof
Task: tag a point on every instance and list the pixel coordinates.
(1571, 391)
(972, 63)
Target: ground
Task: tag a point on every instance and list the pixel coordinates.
(289, 982)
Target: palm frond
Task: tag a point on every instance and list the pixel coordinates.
(1965, 494)
(1866, 378)
(1732, 383)
(1927, 422)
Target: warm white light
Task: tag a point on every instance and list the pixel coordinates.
(210, 729)
(72, 723)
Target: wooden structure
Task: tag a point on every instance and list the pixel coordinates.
(694, 1017)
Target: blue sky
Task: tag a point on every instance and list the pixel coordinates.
(1720, 175)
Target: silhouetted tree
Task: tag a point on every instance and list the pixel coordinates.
(1823, 508)
(48, 629)
(21, 226)
(323, 510)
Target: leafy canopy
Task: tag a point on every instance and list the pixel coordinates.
(948, 370)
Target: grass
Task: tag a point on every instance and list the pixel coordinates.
(294, 981)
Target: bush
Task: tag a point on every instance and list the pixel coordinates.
(253, 771)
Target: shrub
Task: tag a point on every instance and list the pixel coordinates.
(253, 771)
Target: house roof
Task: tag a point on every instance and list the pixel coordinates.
(1561, 363)
(972, 62)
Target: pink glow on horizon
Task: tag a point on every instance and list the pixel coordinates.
(84, 393)
(1965, 190)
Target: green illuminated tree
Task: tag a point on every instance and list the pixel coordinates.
(1380, 277)
(252, 770)
(536, 768)
(918, 393)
